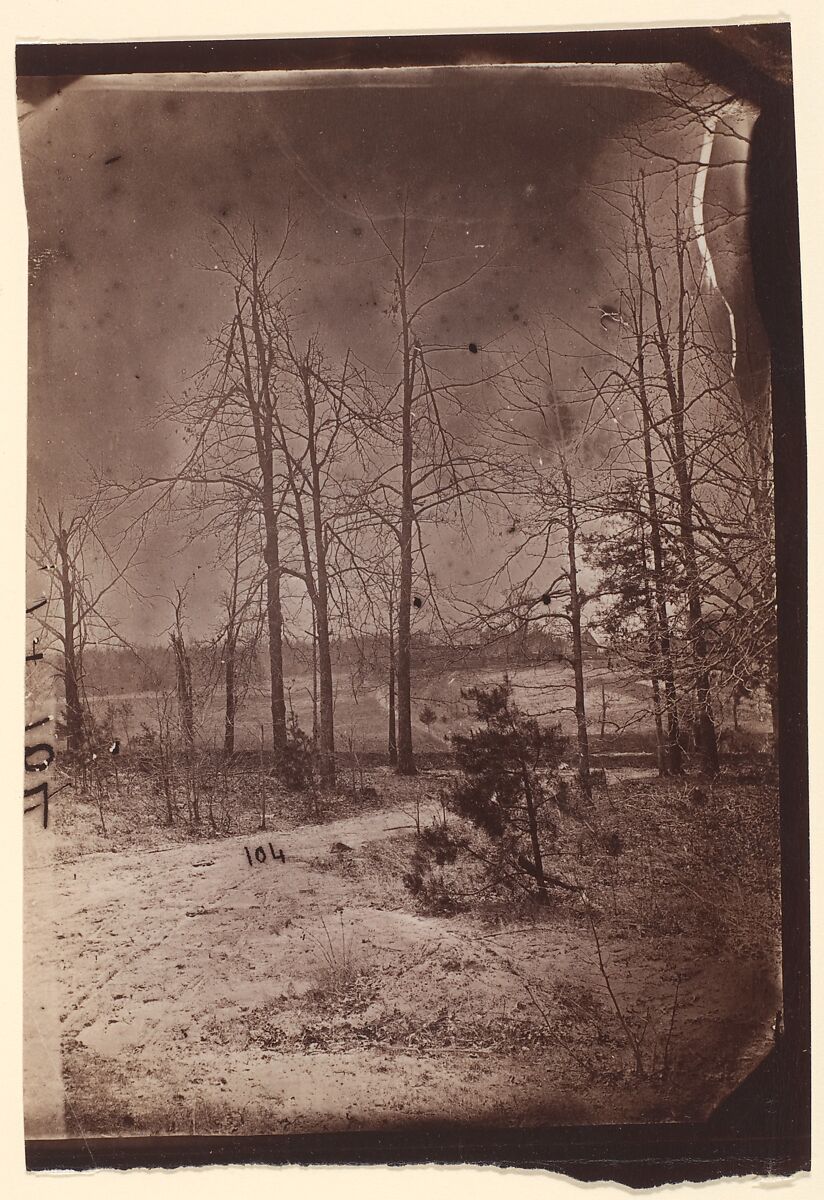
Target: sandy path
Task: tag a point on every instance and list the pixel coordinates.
(43, 1092)
(130, 953)
(159, 980)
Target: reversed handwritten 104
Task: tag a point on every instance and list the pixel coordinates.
(40, 756)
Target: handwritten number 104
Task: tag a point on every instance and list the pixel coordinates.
(260, 854)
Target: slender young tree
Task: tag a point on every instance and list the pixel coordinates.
(82, 562)
(185, 703)
(252, 359)
(639, 390)
(393, 728)
(241, 608)
(432, 476)
(550, 438)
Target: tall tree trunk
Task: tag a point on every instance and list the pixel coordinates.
(577, 641)
(185, 710)
(315, 574)
(71, 666)
(315, 727)
(326, 739)
(393, 738)
(231, 696)
(661, 756)
(654, 653)
(406, 761)
(317, 589)
(704, 723)
(667, 668)
(274, 618)
(262, 404)
(325, 679)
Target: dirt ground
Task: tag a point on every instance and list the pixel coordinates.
(185, 990)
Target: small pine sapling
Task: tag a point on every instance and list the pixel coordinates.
(506, 768)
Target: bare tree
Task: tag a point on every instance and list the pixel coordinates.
(241, 603)
(230, 413)
(555, 435)
(391, 703)
(251, 373)
(675, 348)
(317, 429)
(706, 457)
(672, 345)
(434, 474)
(83, 565)
(185, 704)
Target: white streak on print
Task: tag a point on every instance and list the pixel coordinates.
(708, 267)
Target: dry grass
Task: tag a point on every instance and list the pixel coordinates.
(338, 968)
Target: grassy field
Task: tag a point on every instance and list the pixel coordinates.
(361, 714)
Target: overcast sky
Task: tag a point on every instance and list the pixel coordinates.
(124, 185)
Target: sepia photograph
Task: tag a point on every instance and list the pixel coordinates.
(410, 686)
